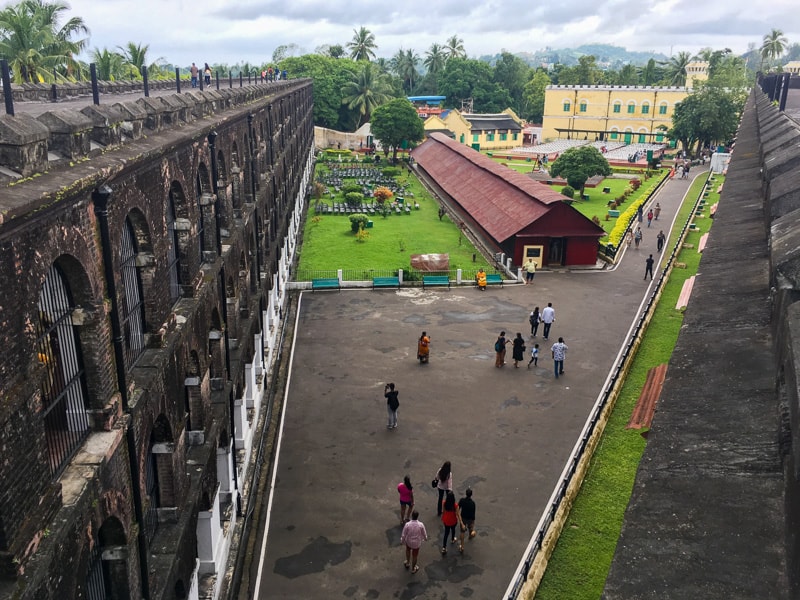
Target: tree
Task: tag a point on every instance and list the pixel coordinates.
(707, 116)
(651, 73)
(330, 76)
(136, 56)
(577, 165)
(675, 69)
(363, 46)
(533, 95)
(331, 50)
(35, 45)
(772, 46)
(285, 51)
(365, 92)
(396, 123)
(455, 47)
(511, 73)
(435, 58)
(112, 66)
(464, 79)
(628, 75)
(404, 65)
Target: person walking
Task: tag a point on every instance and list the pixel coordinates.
(629, 237)
(444, 483)
(530, 271)
(207, 74)
(534, 320)
(534, 356)
(518, 350)
(649, 217)
(423, 348)
(392, 404)
(406, 491)
(639, 216)
(559, 352)
(637, 237)
(657, 211)
(648, 267)
(548, 318)
(660, 239)
(466, 517)
(449, 520)
(500, 350)
(193, 71)
(413, 535)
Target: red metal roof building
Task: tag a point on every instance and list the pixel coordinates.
(506, 210)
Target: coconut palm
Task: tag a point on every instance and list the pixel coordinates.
(454, 48)
(112, 65)
(675, 68)
(368, 89)
(404, 64)
(363, 45)
(773, 45)
(435, 58)
(136, 56)
(35, 45)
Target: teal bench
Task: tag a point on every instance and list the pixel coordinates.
(435, 280)
(494, 279)
(325, 283)
(385, 282)
(613, 213)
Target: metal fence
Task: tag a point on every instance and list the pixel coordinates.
(626, 355)
(96, 584)
(409, 275)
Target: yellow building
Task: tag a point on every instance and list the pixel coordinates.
(792, 67)
(622, 113)
(696, 72)
(500, 131)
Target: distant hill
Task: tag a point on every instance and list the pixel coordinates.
(608, 56)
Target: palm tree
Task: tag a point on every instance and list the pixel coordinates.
(365, 92)
(363, 45)
(455, 48)
(136, 56)
(34, 44)
(435, 58)
(404, 64)
(112, 65)
(675, 68)
(773, 46)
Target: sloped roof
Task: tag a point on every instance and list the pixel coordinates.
(492, 122)
(501, 200)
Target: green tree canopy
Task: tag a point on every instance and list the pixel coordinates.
(34, 42)
(706, 117)
(576, 165)
(455, 47)
(368, 89)
(511, 73)
(395, 123)
(330, 76)
(772, 46)
(675, 69)
(464, 79)
(533, 96)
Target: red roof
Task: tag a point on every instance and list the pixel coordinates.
(502, 200)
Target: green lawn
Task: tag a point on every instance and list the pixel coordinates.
(329, 244)
(582, 557)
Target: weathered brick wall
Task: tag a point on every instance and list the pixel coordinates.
(51, 219)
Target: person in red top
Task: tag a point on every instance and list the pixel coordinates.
(406, 491)
(449, 519)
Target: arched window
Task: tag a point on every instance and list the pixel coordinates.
(582, 107)
(567, 105)
(631, 107)
(133, 306)
(173, 264)
(645, 108)
(108, 569)
(617, 106)
(64, 391)
(662, 108)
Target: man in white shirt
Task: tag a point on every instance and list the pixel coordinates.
(548, 317)
(559, 351)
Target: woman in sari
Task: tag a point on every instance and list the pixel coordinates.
(423, 348)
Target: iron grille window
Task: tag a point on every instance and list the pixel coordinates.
(172, 254)
(96, 583)
(151, 489)
(133, 307)
(201, 242)
(64, 387)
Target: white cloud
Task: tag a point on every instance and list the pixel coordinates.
(227, 31)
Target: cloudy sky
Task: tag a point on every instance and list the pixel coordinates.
(230, 31)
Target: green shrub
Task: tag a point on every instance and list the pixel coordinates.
(354, 198)
(568, 191)
(390, 172)
(351, 187)
(357, 221)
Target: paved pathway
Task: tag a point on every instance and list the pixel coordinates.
(333, 528)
